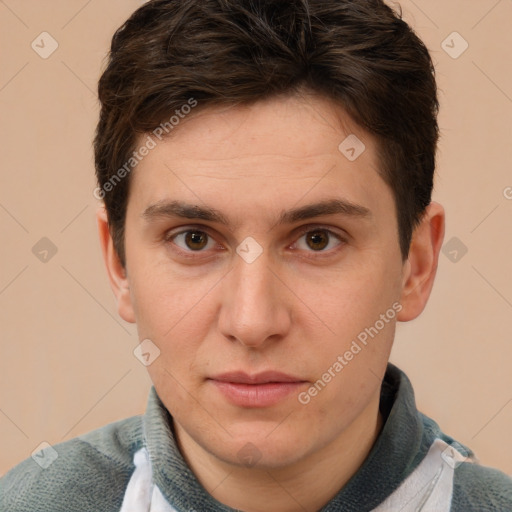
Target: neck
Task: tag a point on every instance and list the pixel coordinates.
(308, 484)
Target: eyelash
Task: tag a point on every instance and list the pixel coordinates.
(304, 231)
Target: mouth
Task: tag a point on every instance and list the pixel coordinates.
(256, 391)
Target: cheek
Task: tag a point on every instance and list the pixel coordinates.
(336, 407)
(360, 310)
(176, 315)
(346, 302)
(168, 302)
(347, 378)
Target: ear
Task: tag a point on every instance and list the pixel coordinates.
(116, 272)
(420, 268)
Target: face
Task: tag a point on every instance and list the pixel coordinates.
(258, 255)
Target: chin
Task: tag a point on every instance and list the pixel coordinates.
(260, 452)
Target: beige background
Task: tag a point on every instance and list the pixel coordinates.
(66, 363)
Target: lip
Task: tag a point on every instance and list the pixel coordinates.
(258, 378)
(259, 390)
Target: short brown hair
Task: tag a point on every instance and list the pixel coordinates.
(358, 53)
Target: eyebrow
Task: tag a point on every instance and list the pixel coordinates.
(171, 209)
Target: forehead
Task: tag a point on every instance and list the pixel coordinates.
(272, 152)
(302, 127)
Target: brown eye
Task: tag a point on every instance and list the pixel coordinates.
(317, 240)
(192, 240)
(196, 240)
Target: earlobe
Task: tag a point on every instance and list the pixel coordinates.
(421, 266)
(116, 272)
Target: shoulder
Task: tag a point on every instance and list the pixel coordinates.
(476, 488)
(480, 488)
(89, 472)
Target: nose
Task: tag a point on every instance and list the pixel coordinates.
(255, 308)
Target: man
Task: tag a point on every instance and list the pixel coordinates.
(266, 170)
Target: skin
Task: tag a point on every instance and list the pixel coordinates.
(295, 309)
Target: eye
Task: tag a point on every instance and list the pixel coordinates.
(318, 240)
(193, 240)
